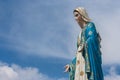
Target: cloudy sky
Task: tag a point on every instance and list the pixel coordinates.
(38, 37)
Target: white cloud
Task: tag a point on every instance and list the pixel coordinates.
(63, 79)
(7, 73)
(15, 72)
(112, 75)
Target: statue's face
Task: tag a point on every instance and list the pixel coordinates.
(77, 16)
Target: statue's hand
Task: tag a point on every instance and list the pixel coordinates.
(80, 49)
(67, 68)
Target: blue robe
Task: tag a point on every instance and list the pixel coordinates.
(91, 54)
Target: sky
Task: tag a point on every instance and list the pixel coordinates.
(38, 37)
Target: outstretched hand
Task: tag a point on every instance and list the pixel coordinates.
(66, 68)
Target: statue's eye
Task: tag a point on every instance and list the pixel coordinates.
(76, 15)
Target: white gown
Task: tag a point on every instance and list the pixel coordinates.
(80, 66)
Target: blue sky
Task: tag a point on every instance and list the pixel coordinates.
(38, 37)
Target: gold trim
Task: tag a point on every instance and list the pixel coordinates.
(81, 73)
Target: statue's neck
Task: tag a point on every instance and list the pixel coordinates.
(82, 24)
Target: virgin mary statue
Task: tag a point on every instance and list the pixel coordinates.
(86, 65)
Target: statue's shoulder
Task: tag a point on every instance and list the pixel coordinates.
(90, 28)
(91, 24)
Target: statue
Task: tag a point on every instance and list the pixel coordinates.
(86, 65)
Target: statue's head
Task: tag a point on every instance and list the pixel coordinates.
(81, 14)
